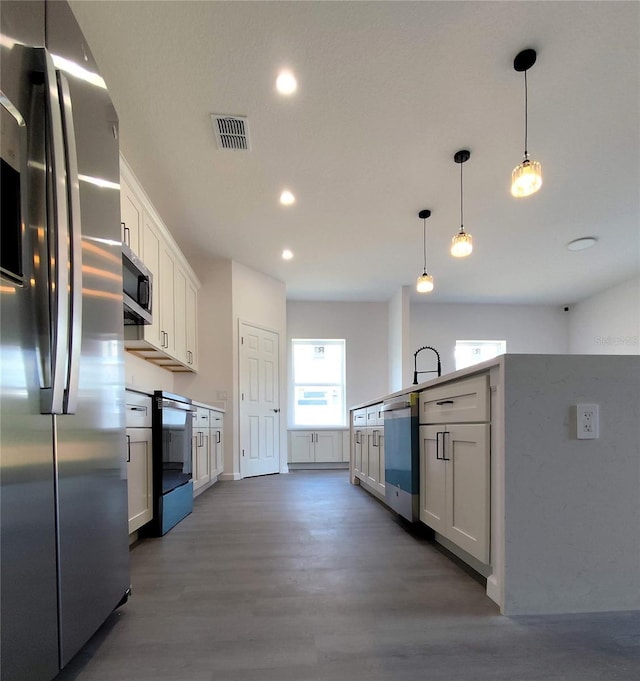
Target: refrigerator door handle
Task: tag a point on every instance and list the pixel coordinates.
(52, 399)
(75, 239)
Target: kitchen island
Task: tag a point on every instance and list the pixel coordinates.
(562, 518)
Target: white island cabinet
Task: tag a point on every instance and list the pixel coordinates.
(367, 438)
(455, 463)
(551, 521)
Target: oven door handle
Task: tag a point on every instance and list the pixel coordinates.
(172, 404)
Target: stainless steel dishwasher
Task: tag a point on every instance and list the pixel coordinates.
(402, 455)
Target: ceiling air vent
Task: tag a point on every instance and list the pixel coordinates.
(232, 132)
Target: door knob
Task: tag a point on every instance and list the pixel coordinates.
(276, 410)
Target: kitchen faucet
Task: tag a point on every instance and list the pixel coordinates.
(415, 364)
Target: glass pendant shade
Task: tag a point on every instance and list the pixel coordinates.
(526, 178)
(424, 283)
(461, 245)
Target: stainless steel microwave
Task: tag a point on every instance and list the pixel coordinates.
(137, 289)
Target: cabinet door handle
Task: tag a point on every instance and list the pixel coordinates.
(128, 448)
(127, 234)
(438, 434)
(444, 457)
(218, 437)
(444, 402)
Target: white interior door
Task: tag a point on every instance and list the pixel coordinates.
(259, 401)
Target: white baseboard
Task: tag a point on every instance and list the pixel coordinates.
(226, 477)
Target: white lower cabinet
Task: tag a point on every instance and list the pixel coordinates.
(216, 436)
(373, 466)
(139, 459)
(201, 451)
(207, 447)
(139, 477)
(357, 442)
(367, 444)
(315, 446)
(455, 463)
(454, 484)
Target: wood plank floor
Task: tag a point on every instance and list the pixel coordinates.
(303, 577)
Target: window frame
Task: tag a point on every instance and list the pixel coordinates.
(478, 342)
(298, 342)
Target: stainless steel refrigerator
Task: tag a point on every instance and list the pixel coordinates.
(63, 514)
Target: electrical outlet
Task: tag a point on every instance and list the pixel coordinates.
(587, 422)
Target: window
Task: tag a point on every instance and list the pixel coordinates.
(469, 352)
(318, 382)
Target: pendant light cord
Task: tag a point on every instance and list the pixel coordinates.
(424, 243)
(461, 220)
(526, 107)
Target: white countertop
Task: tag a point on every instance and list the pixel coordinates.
(207, 406)
(454, 375)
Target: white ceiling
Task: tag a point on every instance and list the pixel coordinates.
(388, 92)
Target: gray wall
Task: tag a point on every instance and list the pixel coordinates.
(572, 507)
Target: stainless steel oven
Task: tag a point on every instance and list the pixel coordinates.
(172, 475)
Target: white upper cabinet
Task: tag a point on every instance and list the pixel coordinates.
(171, 340)
(130, 217)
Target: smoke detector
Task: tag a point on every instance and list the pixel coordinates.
(232, 132)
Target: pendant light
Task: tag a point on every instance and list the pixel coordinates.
(526, 177)
(424, 283)
(462, 243)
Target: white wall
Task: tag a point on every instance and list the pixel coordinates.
(607, 323)
(539, 329)
(400, 367)
(261, 300)
(146, 376)
(363, 326)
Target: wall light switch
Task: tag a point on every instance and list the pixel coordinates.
(587, 422)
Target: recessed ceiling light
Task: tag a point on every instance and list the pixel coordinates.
(582, 243)
(287, 254)
(287, 198)
(286, 83)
